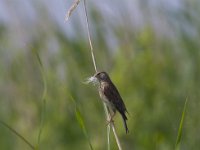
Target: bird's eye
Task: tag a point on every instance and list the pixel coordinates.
(102, 75)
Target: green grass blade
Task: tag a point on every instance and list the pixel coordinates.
(82, 125)
(80, 119)
(43, 98)
(180, 130)
(17, 134)
(43, 110)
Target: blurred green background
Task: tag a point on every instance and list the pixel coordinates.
(150, 48)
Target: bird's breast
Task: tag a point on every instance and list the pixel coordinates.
(104, 98)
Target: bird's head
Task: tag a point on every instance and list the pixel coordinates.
(102, 76)
(98, 77)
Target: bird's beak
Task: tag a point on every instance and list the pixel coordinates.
(92, 79)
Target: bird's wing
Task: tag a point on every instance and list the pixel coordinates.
(114, 97)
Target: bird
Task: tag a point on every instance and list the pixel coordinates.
(111, 97)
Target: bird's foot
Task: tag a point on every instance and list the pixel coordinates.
(109, 121)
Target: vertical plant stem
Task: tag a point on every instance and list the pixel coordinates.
(108, 137)
(89, 37)
(95, 67)
(108, 127)
(116, 137)
(112, 125)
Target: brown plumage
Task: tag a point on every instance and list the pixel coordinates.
(110, 95)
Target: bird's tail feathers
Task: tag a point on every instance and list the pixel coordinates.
(124, 121)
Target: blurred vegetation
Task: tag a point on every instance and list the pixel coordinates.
(155, 66)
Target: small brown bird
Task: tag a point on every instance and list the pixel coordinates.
(110, 95)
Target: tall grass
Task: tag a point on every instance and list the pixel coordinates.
(42, 110)
(180, 130)
(79, 118)
(43, 98)
(17, 134)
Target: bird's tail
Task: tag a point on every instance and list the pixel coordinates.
(124, 121)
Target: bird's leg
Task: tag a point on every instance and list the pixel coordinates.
(112, 116)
